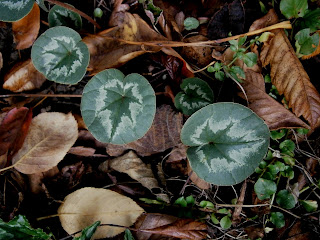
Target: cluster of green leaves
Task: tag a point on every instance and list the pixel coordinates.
(306, 21)
(240, 52)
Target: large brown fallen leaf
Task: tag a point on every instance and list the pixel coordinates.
(171, 226)
(26, 30)
(88, 205)
(272, 112)
(163, 134)
(50, 137)
(23, 77)
(289, 76)
(136, 169)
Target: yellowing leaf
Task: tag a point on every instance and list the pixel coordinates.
(50, 137)
(88, 205)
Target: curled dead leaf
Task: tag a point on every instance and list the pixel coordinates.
(50, 137)
(88, 205)
(26, 30)
(23, 77)
(163, 134)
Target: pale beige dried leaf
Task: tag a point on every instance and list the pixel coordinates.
(136, 169)
(88, 205)
(50, 137)
(163, 134)
(26, 30)
(272, 112)
(23, 77)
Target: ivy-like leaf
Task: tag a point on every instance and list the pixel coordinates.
(118, 109)
(277, 219)
(306, 43)
(196, 94)
(88, 232)
(264, 188)
(293, 8)
(14, 10)
(60, 55)
(19, 229)
(227, 142)
(60, 16)
(285, 199)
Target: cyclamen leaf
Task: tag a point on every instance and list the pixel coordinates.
(13, 10)
(60, 55)
(118, 109)
(227, 142)
(60, 16)
(196, 95)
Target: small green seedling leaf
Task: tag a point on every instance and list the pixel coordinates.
(214, 219)
(227, 142)
(289, 160)
(309, 205)
(250, 59)
(287, 147)
(190, 200)
(302, 131)
(14, 10)
(128, 235)
(311, 20)
(265, 188)
(152, 11)
(293, 8)
(269, 156)
(288, 172)
(306, 43)
(97, 12)
(60, 55)
(19, 229)
(225, 222)
(285, 199)
(88, 232)
(237, 73)
(60, 16)
(219, 75)
(196, 94)
(206, 204)
(191, 23)
(118, 109)
(276, 135)
(210, 69)
(223, 211)
(217, 67)
(234, 43)
(242, 40)
(263, 164)
(181, 202)
(277, 218)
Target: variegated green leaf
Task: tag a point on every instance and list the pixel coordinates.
(14, 10)
(118, 109)
(227, 142)
(60, 16)
(196, 94)
(60, 55)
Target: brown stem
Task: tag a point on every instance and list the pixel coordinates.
(76, 11)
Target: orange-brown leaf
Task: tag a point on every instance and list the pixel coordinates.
(26, 30)
(163, 134)
(23, 77)
(273, 113)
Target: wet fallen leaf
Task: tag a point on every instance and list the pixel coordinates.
(136, 169)
(26, 30)
(170, 226)
(23, 77)
(163, 134)
(290, 78)
(88, 205)
(50, 137)
(273, 113)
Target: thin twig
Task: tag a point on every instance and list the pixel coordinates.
(42, 95)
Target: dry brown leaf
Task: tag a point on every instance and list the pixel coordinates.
(289, 76)
(50, 137)
(82, 151)
(163, 134)
(273, 113)
(88, 205)
(136, 169)
(36, 184)
(1, 61)
(23, 77)
(26, 30)
(200, 183)
(170, 226)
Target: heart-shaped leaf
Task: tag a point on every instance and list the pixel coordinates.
(227, 142)
(196, 94)
(13, 10)
(60, 16)
(118, 109)
(60, 55)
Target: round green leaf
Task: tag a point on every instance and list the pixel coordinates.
(286, 199)
(309, 205)
(225, 222)
(60, 55)
(293, 8)
(265, 188)
(60, 16)
(227, 142)
(306, 41)
(191, 23)
(14, 10)
(118, 109)
(277, 219)
(196, 94)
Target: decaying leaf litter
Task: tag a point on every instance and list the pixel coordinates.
(62, 179)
